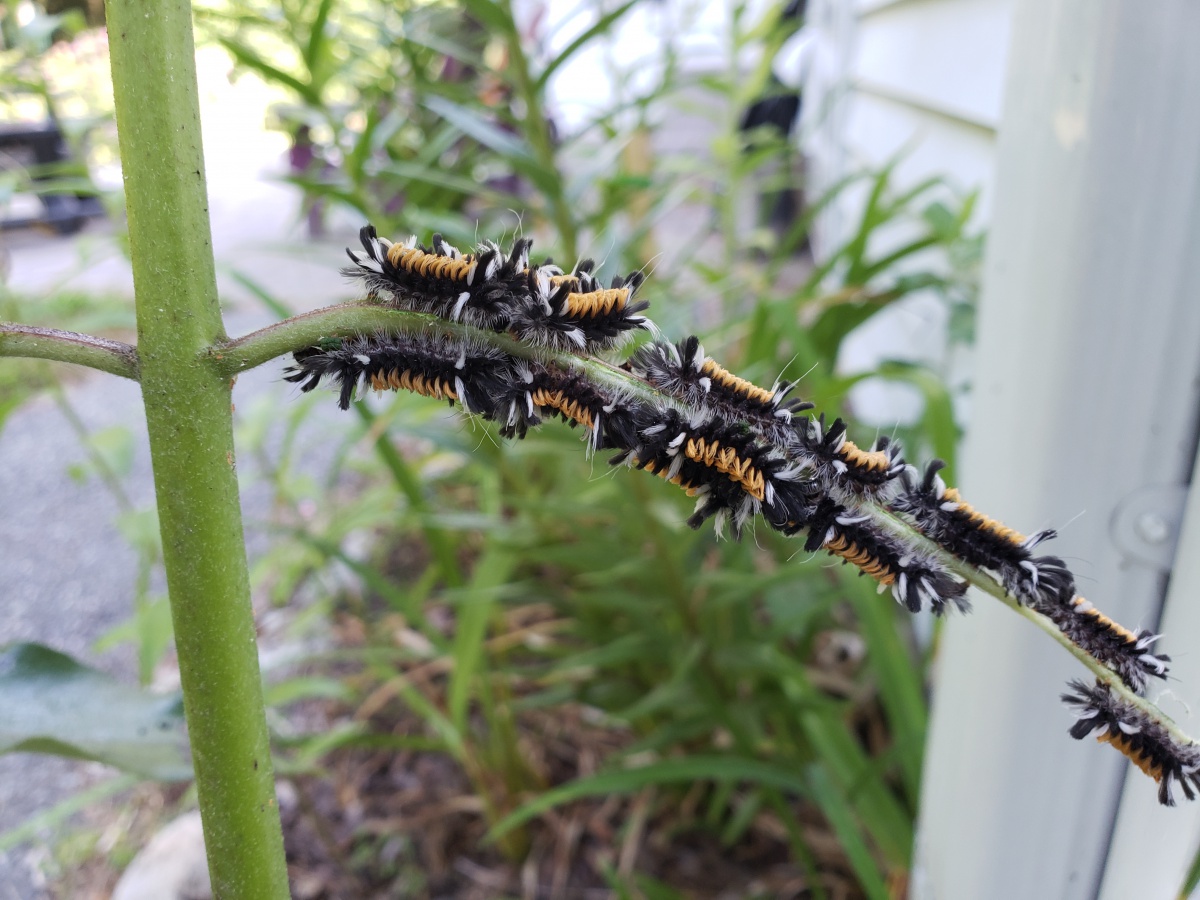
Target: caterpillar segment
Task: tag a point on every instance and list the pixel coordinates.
(573, 312)
(428, 364)
(730, 473)
(914, 580)
(944, 517)
(481, 289)
(417, 382)
(683, 371)
(1129, 654)
(1146, 743)
(849, 471)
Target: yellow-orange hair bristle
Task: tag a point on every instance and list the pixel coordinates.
(741, 386)
(857, 556)
(858, 458)
(429, 265)
(979, 520)
(405, 380)
(570, 408)
(726, 461)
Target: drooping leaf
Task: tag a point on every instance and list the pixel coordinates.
(49, 703)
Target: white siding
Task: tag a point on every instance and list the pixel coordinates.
(922, 78)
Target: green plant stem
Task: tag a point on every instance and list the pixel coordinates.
(537, 130)
(113, 357)
(188, 414)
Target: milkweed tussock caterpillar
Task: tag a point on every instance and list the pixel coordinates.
(684, 371)
(574, 312)
(847, 470)
(1146, 742)
(465, 372)
(501, 292)
(538, 391)
(480, 289)
(943, 516)
(914, 579)
(1127, 653)
(729, 473)
(1041, 581)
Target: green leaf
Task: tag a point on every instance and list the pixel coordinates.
(114, 447)
(837, 811)
(513, 150)
(1192, 881)
(317, 44)
(273, 304)
(270, 73)
(693, 768)
(602, 25)
(49, 703)
(898, 679)
(149, 629)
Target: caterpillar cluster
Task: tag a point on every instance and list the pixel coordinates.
(684, 372)
(1147, 743)
(501, 292)
(739, 449)
(733, 473)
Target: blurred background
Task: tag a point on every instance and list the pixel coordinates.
(497, 670)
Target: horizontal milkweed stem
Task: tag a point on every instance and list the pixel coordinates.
(32, 342)
(351, 319)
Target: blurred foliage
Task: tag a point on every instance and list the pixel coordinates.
(474, 584)
(54, 71)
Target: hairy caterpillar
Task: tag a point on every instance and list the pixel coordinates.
(914, 579)
(480, 289)
(573, 312)
(847, 470)
(501, 292)
(729, 473)
(946, 518)
(1147, 744)
(683, 371)
(1125, 652)
(434, 365)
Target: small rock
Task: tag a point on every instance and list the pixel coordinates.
(171, 867)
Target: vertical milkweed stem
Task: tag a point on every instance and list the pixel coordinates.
(189, 417)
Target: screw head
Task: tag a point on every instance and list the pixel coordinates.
(1152, 528)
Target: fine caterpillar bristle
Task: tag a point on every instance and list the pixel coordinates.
(684, 372)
